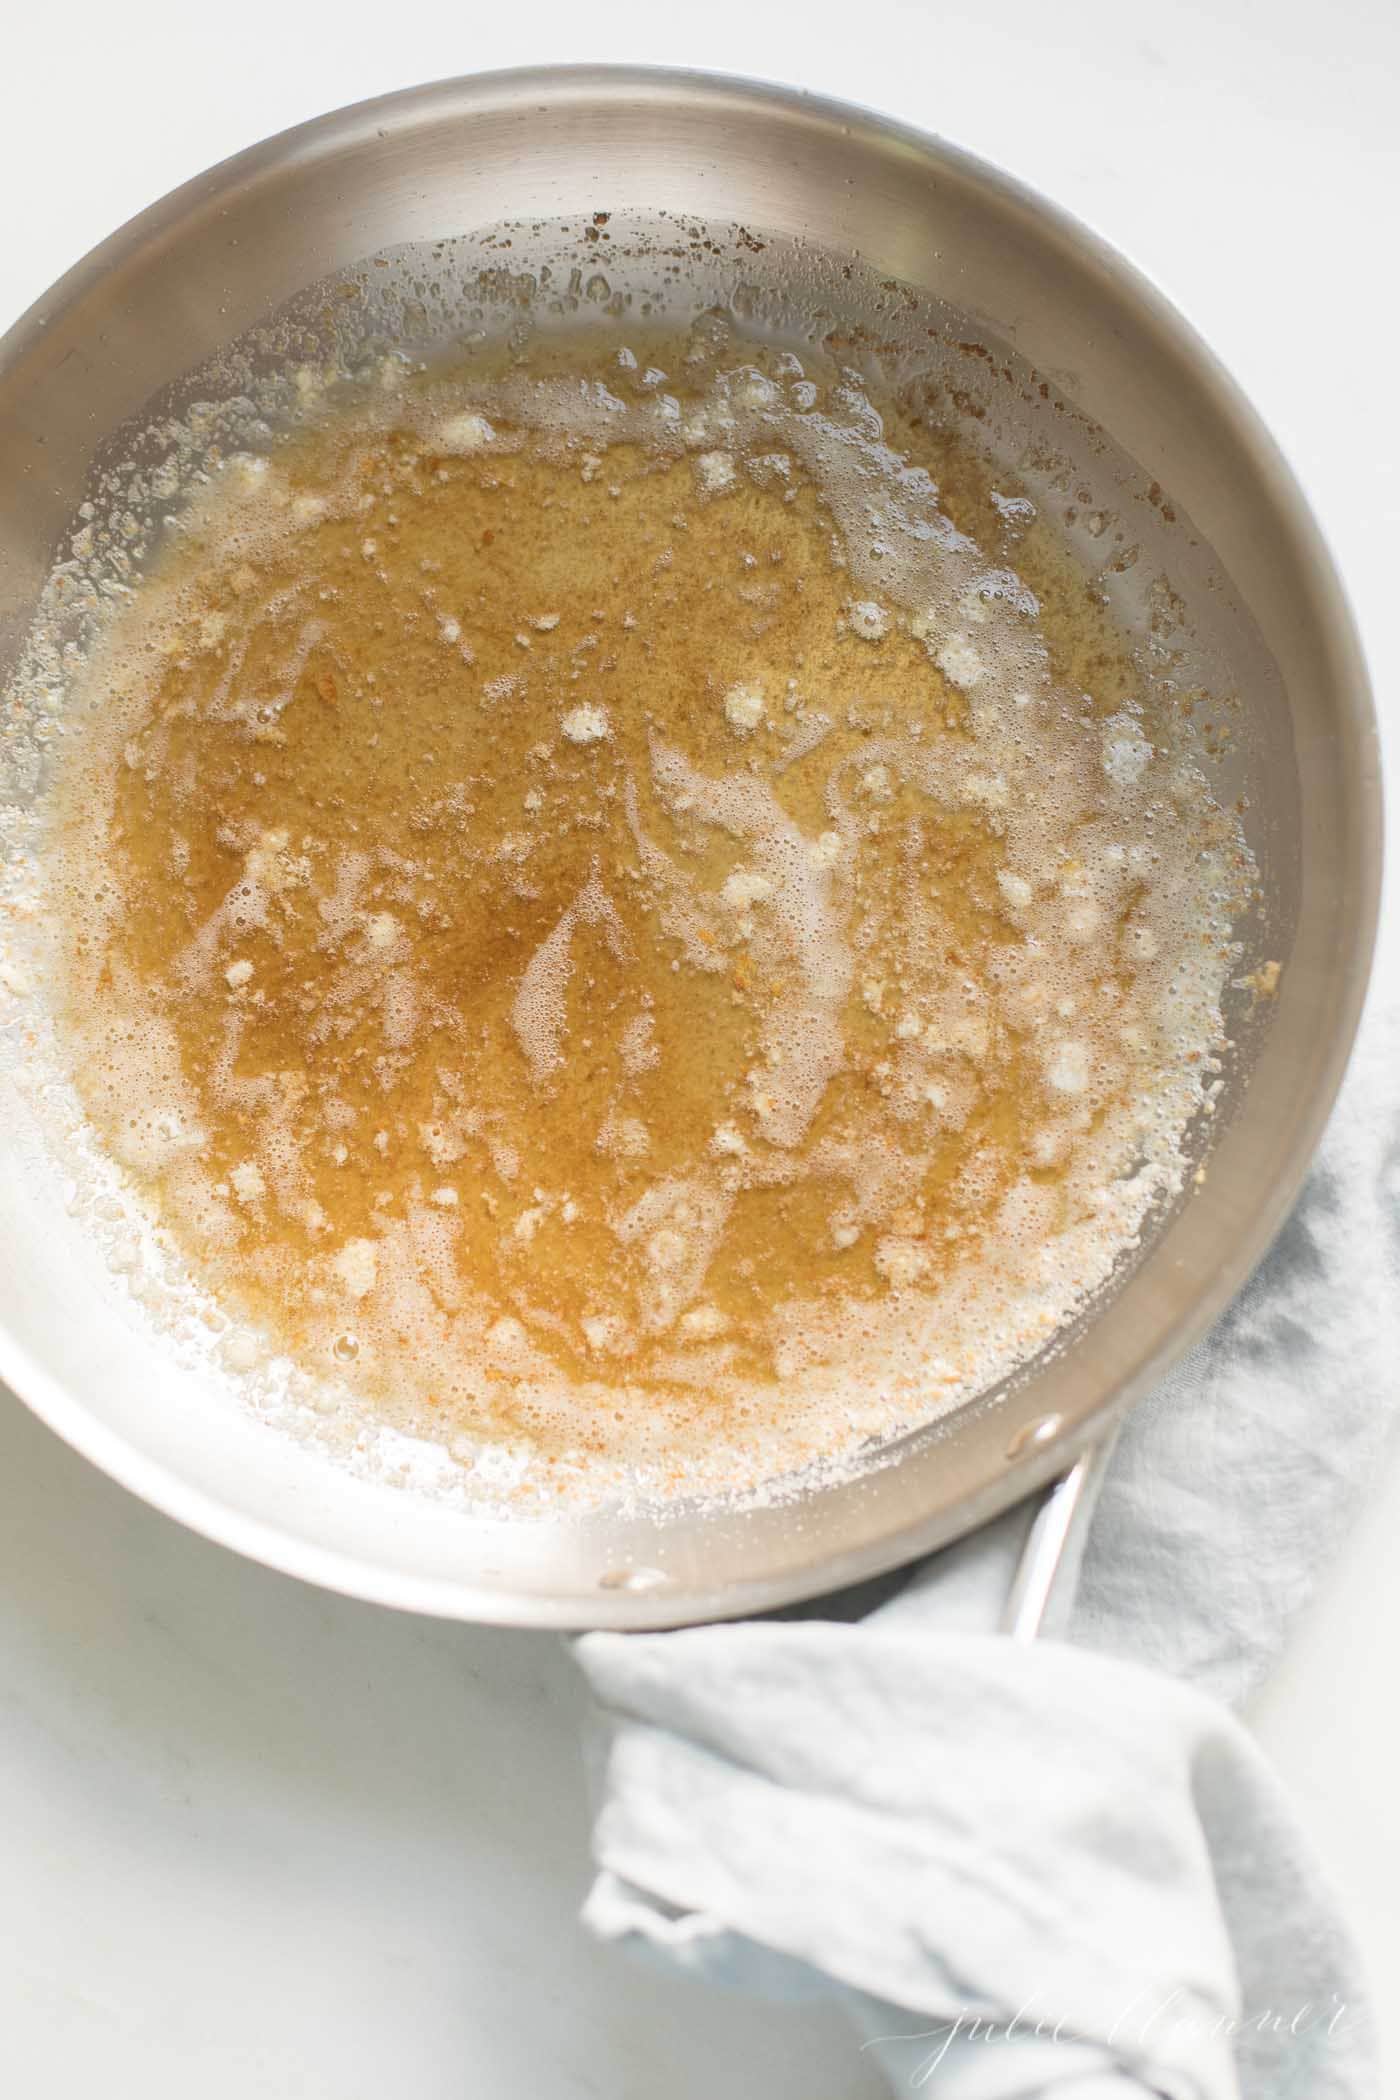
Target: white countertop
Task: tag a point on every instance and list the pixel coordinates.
(259, 1840)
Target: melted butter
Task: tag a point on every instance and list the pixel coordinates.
(581, 938)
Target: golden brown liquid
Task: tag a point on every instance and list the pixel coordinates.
(511, 845)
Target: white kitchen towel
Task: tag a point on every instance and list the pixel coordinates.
(1065, 1869)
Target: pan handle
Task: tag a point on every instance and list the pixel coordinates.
(1055, 1541)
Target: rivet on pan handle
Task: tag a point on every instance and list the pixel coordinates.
(1055, 1541)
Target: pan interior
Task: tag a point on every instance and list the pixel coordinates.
(604, 376)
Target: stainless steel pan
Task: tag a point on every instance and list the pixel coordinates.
(163, 295)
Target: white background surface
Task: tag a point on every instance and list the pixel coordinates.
(256, 1840)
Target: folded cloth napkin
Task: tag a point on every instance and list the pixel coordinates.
(1062, 1869)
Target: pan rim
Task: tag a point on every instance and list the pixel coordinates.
(447, 1596)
